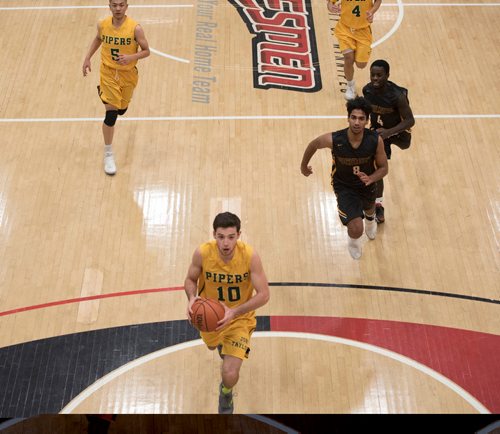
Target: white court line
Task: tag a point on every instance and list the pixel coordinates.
(395, 26)
(400, 17)
(49, 8)
(168, 56)
(29, 8)
(159, 53)
(455, 5)
(75, 402)
(232, 118)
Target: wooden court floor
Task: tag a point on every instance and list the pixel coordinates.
(91, 267)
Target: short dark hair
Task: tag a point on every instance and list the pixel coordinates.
(381, 64)
(227, 220)
(359, 103)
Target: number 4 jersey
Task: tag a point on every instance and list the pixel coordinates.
(353, 13)
(116, 41)
(230, 282)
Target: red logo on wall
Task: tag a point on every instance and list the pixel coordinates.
(284, 47)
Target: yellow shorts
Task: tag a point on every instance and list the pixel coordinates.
(357, 40)
(117, 86)
(235, 338)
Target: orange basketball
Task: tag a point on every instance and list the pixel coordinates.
(206, 314)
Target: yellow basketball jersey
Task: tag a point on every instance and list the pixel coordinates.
(229, 283)
(353, 13)
(115, 41)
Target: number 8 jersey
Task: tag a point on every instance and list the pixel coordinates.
(348, 161)
(116, 41)
(230, 282)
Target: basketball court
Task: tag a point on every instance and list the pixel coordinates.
(92, 308)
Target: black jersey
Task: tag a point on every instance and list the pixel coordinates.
(385, 112)
(348, 161)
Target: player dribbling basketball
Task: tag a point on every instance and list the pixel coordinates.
(228, 270)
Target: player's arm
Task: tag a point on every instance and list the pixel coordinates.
(140, 37)
(191, 281)
(333, 6)
(407, 119)
(323, 141)
(371, 13)
(381, 163)
(96, 43)
(260, 298)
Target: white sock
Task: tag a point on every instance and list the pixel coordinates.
(355, 242)
(351, 83)
(379, 200)
(108, 150)
(370, 223)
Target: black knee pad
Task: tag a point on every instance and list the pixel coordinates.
(110, 118)
(121, 112)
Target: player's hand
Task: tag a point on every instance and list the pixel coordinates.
(228, 317)
(125, 59)
(86, 66)
(333, 8)
(382, 132)
(306, 170)
(365, 178)
(369, 16)
(189, 309)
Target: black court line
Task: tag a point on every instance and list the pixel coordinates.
(43, 376)
(388, 288)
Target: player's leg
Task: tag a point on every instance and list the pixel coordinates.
(369, 211)
(110, 94)
(348, 65)
(235, 348)
(230, 373)
(379, 208)
(230, 369)
(402, 141)
(363, 50)
(108, 131)
(350, 210)
(350, 91)
(128, 81)
(347, 47)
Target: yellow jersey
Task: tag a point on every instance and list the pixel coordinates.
(353, 13)
(229, 283)
(116, 41)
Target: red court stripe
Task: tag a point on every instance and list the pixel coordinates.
(91, 297)
(469, 358)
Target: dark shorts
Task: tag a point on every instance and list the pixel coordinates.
(401, 140)
(352, 201)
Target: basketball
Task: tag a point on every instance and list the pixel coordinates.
(206, 314)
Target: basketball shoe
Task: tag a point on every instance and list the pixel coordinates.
(225, 402)
(109, 163)
(350, 92)
(379, 213)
